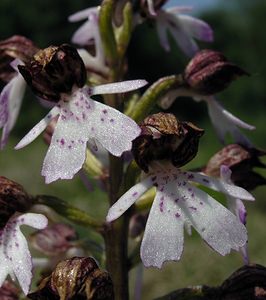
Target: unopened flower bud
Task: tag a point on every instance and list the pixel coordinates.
(241, 161)
(209, 72)
(164, 137)
(54, 239)
(14, 47)
(76, 278)
(8, 291)
(13, 198)
(53, 71)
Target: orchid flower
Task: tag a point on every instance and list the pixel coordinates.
(236, 206)
(179, 203)
(183, 28)
(83, 120)
(223, 121)
(87, 34)
(10, 103)
(15, 257)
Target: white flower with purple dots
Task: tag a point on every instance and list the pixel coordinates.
(81, 121)
(15, 257)
(179, 203)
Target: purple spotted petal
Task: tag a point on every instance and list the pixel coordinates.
(82, 120)
(10, 103)
(164, 233)
(196, 28)
(38, 129)
(217, 225)
(15, 257)
(128, 199)
(220, 186)
(118, 87)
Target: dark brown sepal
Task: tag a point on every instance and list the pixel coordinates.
(164, 137)
(53, 71)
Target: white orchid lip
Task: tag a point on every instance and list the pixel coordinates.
(14, 253)
(180, 204)
(84, 121)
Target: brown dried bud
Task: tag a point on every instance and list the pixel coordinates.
(241, 161)
(247, 283)
(54, 239)
(76, 278)
(14, 47)
(209, 72)
(13, 198)
(164, 137)
(54, 70)
(8, 291)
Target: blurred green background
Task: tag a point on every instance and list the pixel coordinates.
(239, 34)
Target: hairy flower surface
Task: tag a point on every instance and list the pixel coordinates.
(15, 258)
(10, 103)
(236, 206)
(83, 120)
(179, 203)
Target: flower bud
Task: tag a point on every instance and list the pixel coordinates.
(54, 239)
(209, 72)
(13, 198)
(54, 70)
(14, 47)
(76, 278)
(164, 137)
(241, 161)
(8, 291)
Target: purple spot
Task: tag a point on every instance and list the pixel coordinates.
(179, 183)
(83, 116)
(184, 183)
(57, 140)
(112, 120)
(69, 146)
(190, 176)
(77, 118)
(161, 188)
(205, 180)
(76, 103)
(192, 195)
(49, 116)
(190, 189)
(161, 206)
(201, 203)
(72, 142)
(177, 215)
(105, 111)
(135, 194)
(63, 117)
(102, 119)
(162, 198)
(62, 142)
(64, 110)
(193, 208)
(176, 200)
(92, 128)
(16, 244)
